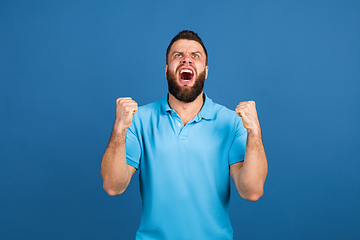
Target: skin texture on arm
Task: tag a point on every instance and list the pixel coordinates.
(249, 176)
(115, 172)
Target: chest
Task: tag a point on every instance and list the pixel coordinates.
(200, 143)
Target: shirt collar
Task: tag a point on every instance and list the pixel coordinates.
(206, 111)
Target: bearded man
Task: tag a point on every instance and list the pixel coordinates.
(186, 148)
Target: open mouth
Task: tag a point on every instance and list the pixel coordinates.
(186, 75)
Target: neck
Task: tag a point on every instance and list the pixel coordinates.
(186, 111)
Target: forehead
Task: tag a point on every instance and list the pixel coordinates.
(184, 45)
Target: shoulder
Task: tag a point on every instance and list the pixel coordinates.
(147, 112)
(224, 112)
(150, 107)
(226, 116)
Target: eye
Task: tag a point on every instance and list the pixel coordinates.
(195, 56)
(178, 55)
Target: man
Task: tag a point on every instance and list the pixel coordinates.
(185, 147)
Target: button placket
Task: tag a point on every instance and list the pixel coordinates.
(177, 122)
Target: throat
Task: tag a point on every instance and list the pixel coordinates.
(186, 111)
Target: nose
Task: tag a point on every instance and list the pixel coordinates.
(186, 59)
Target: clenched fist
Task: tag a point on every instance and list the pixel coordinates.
(247, 111)
(125, 108)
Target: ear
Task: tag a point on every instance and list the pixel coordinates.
(206, 71)
(166, 68)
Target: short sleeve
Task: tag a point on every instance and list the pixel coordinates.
(133, 149)
(237, 149)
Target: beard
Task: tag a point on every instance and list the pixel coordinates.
(185, 94)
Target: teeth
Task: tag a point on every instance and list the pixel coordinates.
(186, 70)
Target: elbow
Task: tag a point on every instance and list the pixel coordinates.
(112, 191)
(252, 197)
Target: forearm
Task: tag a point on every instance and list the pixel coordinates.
(253, 173)
(114, 169)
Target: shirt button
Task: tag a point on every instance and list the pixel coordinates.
(179, 124)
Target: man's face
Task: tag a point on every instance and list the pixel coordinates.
(186, 70)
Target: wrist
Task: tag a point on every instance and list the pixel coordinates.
(119, 129)
(254, 132)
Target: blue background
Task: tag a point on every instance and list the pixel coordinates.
(63, 64)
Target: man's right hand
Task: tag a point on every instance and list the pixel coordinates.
(125, 108)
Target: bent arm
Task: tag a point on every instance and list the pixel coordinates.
(249, 176)
(115, 172)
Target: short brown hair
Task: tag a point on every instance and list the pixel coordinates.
(187, 35)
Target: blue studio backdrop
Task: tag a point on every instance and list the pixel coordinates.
(64, 63)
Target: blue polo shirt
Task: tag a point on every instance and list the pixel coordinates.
(184, 170)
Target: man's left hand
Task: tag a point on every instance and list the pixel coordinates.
(247, 111)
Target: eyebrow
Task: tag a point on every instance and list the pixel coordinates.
(197, 52)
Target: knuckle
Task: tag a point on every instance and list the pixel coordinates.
(120, 101)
